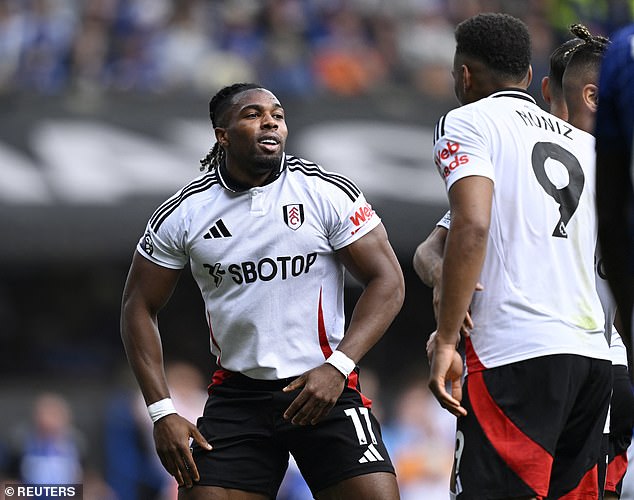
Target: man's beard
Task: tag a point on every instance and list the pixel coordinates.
(266, 164)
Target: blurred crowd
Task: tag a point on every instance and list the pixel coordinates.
(116, 460)
(294, 47)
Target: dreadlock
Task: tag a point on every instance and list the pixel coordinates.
(587, 55)
(217, 108)
(597, 41)
(582, 69)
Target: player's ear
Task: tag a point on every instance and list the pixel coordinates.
(591, 96)
(221, 136)
(546, 90)
(467, 78)
(529, 75)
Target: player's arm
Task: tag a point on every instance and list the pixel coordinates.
(470, 200)
(371, 260)
(428, 257)
(428, 261)
(147, 290)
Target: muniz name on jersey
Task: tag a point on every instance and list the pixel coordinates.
(450, 157)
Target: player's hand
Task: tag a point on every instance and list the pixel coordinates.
(321, 387)
(171, 437)
(446, 366)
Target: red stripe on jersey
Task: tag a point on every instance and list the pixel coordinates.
(353, 378)
(616, 471)
(213, 340)
(525, 457)
(588, 487)
(473, 362)
(321, 329)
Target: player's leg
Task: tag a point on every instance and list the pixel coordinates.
(217, 493)
(246, 462)
(344, 456)
(373, 486)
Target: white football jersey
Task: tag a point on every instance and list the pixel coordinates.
(618, 353)
(264, 261)
(617, 348)
(539, 294)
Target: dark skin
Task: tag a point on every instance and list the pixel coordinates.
(253, 136)
(470, 200)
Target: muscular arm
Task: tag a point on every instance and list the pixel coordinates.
(470, 200)
(147, 289)
(370, 260)
(428, 257)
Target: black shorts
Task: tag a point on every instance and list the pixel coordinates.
(533, 428)
(621, 427)
(243, 421)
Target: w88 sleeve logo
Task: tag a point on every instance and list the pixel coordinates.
(568, 196)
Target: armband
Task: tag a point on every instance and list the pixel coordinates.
(341, 362)
(161, 409)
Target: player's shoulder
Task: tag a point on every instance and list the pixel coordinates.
(469, 117)
(313, 176)
(190, 194)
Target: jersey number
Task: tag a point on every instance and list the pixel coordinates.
(566, 197)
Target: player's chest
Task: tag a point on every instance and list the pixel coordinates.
(258, 223)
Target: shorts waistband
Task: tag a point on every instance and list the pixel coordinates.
(238, 380)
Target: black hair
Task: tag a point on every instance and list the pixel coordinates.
(218, 106)
(559, 60)
(583, 67)
(588, 55)
(500, 41)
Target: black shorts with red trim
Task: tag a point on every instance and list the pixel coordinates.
(533, 428)
(621, 428)
(243, 421)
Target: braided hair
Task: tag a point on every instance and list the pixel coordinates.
(582, 69)
(587, 56)
(218, 106)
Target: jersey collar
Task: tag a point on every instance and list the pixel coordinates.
(229, 183)
(516, 93)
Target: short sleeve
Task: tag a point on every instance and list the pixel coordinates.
(354, 221)
(461, 149)
(163, 243)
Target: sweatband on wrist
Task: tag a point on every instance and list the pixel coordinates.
(161, 409)
(341, 362)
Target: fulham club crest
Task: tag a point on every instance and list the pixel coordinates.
(293, 215)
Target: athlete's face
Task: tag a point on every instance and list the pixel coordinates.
(255, 135)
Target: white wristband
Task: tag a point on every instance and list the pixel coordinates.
(341, 362)
(161, 409)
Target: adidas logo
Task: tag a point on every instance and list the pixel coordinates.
(371, 455)
(218, 230)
